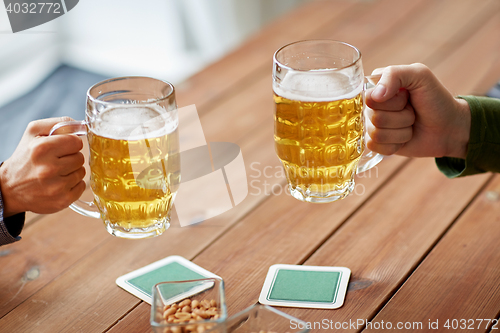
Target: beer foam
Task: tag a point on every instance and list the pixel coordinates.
(132, 122)
(317, 87)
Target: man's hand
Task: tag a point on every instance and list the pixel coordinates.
(45, 173)
(413, 114)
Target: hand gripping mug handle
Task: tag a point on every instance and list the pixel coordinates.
(78, 128)
(369, 159)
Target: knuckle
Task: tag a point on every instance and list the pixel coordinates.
(75, 142)
(39, 148)
(420, 67)
(377, 135)
(79, 159)
(32, 127)
(401, 100)
(389, 70)
(408, 134)
(46, 172)
(76, 176)
(377, 119)
(392, 149)
(65, 119)
(82, 173)
(410, 117)
(63, 203)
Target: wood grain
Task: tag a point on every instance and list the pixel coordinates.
(432, 34)
(481, 54)
(384, 242)
(459, 279)
(56, 226)
(399, 221)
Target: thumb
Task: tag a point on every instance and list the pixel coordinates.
(42, 127)
(395, 78)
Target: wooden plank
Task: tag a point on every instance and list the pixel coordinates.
(114, 257)
(419, 38)
(466, 239)
(385, 240)
(99, 269)
(458, 283)
(481, 53)
(82, 304)
(47, 248)
(374, 27)
(252, 100)
(85, 298)
(136, 321)
(56, 227)
(38, 244)
(122, 326)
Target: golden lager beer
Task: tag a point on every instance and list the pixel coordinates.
(319, 143)
(135, 169)
(318, 122)
(131, 125)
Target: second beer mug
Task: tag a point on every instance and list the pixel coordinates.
(132, 128)
(319, 122)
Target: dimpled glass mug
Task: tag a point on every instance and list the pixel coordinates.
(319, 120)
(131, 125)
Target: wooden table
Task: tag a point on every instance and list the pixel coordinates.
(421, 247)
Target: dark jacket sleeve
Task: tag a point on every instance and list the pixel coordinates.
(10, 227)
(483, 151)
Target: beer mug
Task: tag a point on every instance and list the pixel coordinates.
(319, 120)
(131, 125)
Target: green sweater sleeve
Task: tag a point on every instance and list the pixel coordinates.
(483, 151)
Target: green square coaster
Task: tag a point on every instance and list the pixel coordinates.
(305, 286)
(173, 271)
(173, 268)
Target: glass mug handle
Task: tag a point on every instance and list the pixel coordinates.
(369, 159)
(78, 128)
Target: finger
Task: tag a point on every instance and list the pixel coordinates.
(42, 127)
(76, 192)
(384, 149)
(74, 178)
(391, 119)
(70, 163)
(58, 145)
(389, 135)
(396, 103)
(395, 78)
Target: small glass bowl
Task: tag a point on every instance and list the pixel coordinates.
(209, 293)
(261, 318)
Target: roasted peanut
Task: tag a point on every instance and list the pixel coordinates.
(211, 313)
(205, 303)
(168, 312)
(185, 302)
(189, 312)
(183, 316)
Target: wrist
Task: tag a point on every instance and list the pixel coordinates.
(8, 204)
(459, 138)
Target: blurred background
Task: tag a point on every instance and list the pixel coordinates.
(46, 71)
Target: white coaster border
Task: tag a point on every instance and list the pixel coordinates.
(123, 281)
(345, 274)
